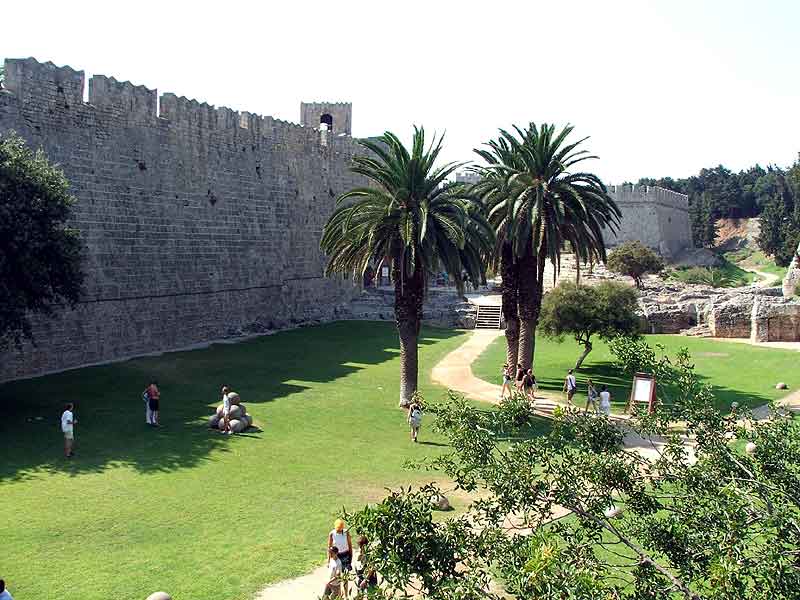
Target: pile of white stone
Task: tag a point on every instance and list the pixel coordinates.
(240, 420)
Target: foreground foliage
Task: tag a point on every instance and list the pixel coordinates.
(710, 522)
(39, 254)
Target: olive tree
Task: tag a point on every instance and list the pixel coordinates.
(635, 260)
(605, 310)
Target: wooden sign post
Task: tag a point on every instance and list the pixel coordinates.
(643, 391)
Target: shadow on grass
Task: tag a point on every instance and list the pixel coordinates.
(110, 428)
(604, 373)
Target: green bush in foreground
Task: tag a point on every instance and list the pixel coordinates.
(722, 525)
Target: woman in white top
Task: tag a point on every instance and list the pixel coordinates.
(339, 538)
(605, 401)
(333, 589)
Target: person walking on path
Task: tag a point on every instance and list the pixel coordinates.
(529, 385)
(414, 419)
(506, 382)
(591, 397)
(4, 593)
(226, 410)
(605, 401)
(68, 428)
(153, 402)
(520, 376)
(333, 588)
(570, 385)
(339, 538)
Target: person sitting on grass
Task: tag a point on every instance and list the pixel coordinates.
(366, 577)
(67, 427)
(333, 589)
(591, 397)
(226, 410)
(4, 593)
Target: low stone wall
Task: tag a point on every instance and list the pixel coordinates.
(731, 319)
(443, 308)
(775, 320)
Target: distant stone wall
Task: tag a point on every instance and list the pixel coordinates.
(198, 222)
(657, 217)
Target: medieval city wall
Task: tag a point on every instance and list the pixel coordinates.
(198, 222)
(655, 216)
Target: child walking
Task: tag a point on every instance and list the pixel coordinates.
(414, 419)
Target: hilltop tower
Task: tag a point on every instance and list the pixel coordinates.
(336, 117)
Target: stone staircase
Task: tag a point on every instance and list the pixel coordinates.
(489, 317)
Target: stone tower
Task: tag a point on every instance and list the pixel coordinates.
(337, 116)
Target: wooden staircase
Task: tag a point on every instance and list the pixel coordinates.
(489, 317)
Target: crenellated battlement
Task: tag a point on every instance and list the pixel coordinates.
(27, 78)
(33, 82)
(123, 97)
(651, 194)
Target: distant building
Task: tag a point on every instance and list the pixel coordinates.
(467, 177)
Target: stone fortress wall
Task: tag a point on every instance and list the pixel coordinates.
(198, 222)
(655, 216)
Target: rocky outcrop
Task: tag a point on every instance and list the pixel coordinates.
(792, 279)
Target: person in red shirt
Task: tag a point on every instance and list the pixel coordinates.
(153, 401)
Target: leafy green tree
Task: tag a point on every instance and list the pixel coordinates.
(635, 260)
(39, 254)
(540, 205)
(606, 310)
(409, 217)
(712, 522)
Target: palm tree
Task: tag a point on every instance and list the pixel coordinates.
(412, 218)
(493, 191)
(541, 205)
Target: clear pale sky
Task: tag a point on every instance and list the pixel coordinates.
(662, 87)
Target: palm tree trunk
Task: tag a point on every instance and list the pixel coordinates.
(577, 271)
(531, 284)
(408, 298)
(587, 347)
(509, 271)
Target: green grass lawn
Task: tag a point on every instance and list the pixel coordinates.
(738, 372)
(187, 510)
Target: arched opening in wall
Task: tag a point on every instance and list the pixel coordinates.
(326, 123)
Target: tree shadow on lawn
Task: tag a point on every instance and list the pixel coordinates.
(110, 428)
(604, 373)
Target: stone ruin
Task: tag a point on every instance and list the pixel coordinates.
(760, 314)
(792, 279)
(240, 420)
